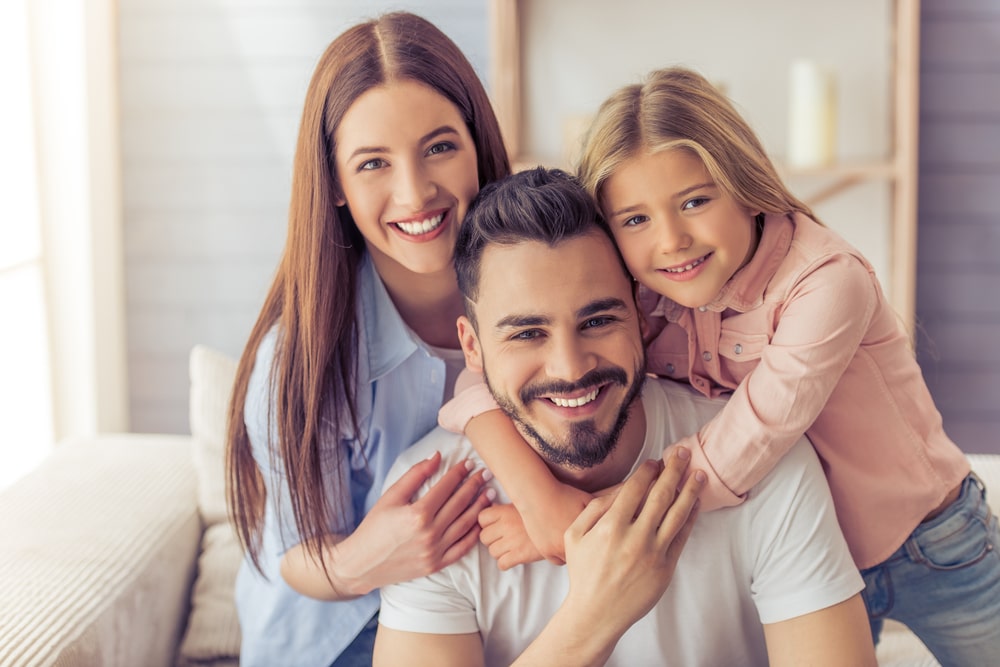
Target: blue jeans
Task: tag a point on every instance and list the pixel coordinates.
(359, 652)
(944, 582)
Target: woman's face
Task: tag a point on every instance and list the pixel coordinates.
(407, 170)
(681, 234)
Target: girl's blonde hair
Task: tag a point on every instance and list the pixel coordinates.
(677, 108)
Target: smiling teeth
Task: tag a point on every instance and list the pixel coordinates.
(682, 269)
(575, 402)
(416, 228)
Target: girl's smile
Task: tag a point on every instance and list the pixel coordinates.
(681, 235)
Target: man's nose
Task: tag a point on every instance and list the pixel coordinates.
(569, 358)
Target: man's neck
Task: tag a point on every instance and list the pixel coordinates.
(616, 467)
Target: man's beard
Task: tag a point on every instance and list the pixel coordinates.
(586, 445)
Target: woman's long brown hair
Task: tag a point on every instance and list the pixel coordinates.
(312, 298)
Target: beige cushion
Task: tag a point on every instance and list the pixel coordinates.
(213, 633)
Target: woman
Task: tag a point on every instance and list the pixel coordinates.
(355, 348)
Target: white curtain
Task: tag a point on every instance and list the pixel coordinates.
(62, 351)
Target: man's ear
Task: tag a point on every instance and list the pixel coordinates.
(470, 344)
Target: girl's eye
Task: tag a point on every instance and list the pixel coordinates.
(634, 220)
(441, 147)
(375, 163)
(695, 203)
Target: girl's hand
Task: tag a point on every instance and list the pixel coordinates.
(400, 538)
(536, 532)
(623, 548)
(504, 534)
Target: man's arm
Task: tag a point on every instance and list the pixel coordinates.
(417, 649)
(621, 553)
(831, 637)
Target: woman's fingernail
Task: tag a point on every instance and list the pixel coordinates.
(683, 453)
(699, 476)
(491, 495)
(487, 475)
(469, 465)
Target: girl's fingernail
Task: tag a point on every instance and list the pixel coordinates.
(683, 453)
(699, 476)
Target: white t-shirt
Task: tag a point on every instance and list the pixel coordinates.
(777, 556)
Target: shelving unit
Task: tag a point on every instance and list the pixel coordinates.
(898, 168)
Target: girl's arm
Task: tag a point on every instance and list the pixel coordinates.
(543, 508)
(398, 539)
(821, 327)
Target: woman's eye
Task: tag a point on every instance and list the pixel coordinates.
(441, 147)
(376, 163)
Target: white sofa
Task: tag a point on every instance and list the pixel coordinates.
(116, 552)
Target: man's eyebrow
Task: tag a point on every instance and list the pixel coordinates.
(601, 306)
(362, 150)
(592, 308)
(515, 321)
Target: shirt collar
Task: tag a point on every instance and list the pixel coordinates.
(384, 339)
(745, 290)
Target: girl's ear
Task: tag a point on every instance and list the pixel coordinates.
(338, 197)
(470, 345)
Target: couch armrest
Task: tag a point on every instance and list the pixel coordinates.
(98, 550)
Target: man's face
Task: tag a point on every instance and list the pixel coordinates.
(559, 344)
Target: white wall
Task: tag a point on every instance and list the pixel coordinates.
(211, 92)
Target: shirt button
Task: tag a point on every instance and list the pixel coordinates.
(702, 308)
(707, 356)
(670, 368)
(738, 349)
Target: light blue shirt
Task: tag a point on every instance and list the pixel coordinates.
(399, 390)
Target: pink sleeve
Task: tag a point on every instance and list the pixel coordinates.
(822, 324)
(472, 398)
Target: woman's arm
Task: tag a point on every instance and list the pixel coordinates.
(398, 539)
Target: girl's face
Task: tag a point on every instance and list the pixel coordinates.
(407, 170)
(679, 233)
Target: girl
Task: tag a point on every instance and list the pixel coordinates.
(747, 293)
(355, 347)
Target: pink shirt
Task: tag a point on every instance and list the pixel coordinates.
(805, 341)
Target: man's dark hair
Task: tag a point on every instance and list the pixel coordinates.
(546, 205)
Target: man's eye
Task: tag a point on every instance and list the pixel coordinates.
(529, 334)
(597, 322)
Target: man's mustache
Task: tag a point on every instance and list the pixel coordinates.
(594, 378)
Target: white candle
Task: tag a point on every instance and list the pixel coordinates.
(812, 115)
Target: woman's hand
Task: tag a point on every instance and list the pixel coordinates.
(400, 538)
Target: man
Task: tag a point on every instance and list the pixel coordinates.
(553, 326)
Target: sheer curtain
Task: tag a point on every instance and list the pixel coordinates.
(25, 389)
(62, 336)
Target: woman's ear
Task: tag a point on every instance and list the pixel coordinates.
(338, 197)
(469, 341)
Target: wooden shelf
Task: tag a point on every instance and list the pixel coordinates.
(899, 169)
